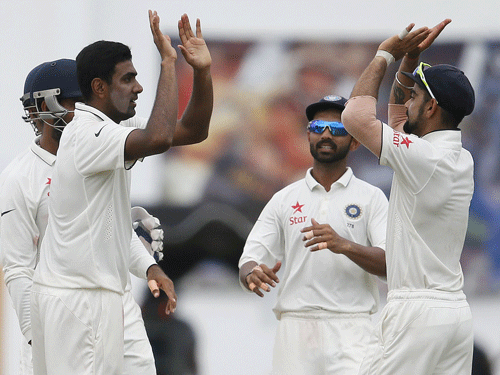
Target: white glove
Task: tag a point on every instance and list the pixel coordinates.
(148, 229)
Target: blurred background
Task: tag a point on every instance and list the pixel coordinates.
(270, 60)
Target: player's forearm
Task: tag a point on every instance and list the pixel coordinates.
(140, 259)
(163, 117)
(195, 120)
(400, 92)
(157, 137)
(371, 78)
(20, 293)
(371, 259)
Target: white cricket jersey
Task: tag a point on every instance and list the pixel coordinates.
(23, 205)
(320, 280)
(88, 238)
(429, 208)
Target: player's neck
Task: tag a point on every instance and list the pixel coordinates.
(327, 173)
(48, 143)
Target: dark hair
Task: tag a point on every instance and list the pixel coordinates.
(98, 60)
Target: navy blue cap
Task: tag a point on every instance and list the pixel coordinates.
(58, 74)
(328, 102)
(451, 88)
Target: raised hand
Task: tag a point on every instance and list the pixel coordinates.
(398, 47)
(193, 47)
(163, 42)
(434, 33)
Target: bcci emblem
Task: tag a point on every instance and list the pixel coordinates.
(353, 211)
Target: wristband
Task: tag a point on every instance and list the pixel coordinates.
(399, 82)
(386, 55)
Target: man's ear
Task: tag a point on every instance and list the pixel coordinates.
(354, 144)
(99, 87)
(43, 106)
(431, 108)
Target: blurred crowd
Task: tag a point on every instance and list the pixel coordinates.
(257, 145)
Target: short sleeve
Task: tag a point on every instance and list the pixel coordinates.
(412, 159)
(101, 147)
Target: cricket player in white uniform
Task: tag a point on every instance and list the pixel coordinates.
(76, 308)
(51, 90)
(325, 298)
(426, 325)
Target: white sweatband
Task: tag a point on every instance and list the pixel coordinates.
(403, 33)
(386, 55)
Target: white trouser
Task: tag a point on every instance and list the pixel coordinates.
(138, 353)
(319, 343)
(422, 333)
(76, 331)
(26, 359)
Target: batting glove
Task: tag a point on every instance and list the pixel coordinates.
(149, 231)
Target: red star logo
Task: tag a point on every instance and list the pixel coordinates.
(406, 141)
(49, 180)
(297, 207)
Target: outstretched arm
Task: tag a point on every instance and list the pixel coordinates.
(157, 137)
(402, 85)
(193, 126)
(359, 117)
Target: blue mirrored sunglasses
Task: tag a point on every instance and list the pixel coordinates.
(319, 126)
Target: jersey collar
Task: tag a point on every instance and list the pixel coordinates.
(450, 139)
(82, 109)
(343, 180)
(46, 156)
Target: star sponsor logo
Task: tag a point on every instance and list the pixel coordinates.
(400, 139)
(49, 181)
(297, 207)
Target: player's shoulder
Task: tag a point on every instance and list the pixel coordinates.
(291, 188)
(365, 187)
(18, 165)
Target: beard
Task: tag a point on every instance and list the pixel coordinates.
(408, 127)
(336, 155)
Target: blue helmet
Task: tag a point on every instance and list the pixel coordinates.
(50, 81)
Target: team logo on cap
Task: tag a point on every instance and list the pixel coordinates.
(332, 98)
(353, 211)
